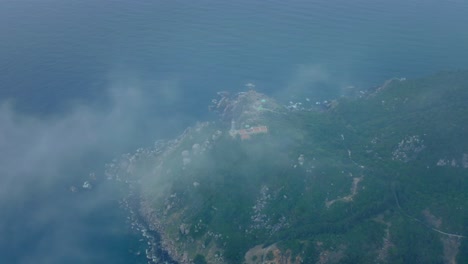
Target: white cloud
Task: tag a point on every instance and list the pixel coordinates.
(40, 156)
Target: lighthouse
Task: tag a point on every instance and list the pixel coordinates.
(233, 131)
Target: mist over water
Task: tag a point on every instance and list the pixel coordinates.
(82, 82)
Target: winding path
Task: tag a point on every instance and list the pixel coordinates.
(420, 221)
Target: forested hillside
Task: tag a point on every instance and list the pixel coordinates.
(380, 178)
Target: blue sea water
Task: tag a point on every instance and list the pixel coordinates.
(55, 55)
(53, 51)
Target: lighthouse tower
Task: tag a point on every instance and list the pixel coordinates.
(233, 131)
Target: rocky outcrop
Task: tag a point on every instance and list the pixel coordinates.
(262, 254)
(408, 148)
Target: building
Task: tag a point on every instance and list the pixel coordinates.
(247, 133)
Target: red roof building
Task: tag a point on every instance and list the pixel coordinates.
(246, 133)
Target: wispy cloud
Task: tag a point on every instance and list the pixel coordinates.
(40, 158)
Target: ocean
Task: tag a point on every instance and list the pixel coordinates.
(82, 82)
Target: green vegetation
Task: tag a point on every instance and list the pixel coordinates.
(199, 259)
(369, 172)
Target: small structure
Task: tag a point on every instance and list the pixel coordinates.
(248, 132)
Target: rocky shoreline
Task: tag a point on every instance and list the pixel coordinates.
(121, 170)
(142, 218)
(155, 252)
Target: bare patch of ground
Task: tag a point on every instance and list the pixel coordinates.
(331, 256)
(382, 253)
(432, 219)
(387, 244)
(259, 254)
(451, 247)
(270, 255)
(347, 198)
(450, 243)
